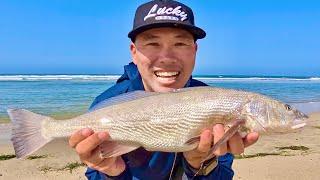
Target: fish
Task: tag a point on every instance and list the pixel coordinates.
(160, 121)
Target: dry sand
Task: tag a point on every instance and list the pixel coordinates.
(53, 165)
(288, 164)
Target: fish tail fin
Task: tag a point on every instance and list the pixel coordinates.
(27, 136)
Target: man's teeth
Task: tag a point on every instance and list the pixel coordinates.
(166, 74)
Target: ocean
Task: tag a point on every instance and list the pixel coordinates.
(67, 95)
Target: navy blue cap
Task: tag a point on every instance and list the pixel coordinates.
(164, 13)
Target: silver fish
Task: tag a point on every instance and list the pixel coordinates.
(169, 122)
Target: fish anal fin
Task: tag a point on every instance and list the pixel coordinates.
(113, 149)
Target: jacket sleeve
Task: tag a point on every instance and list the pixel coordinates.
(223, 171)
(93, 174)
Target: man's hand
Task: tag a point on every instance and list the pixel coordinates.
(235, 145)
(86, 143)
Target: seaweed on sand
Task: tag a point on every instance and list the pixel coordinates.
(301, 148)
(7, 156)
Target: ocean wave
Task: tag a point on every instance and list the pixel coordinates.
(315, 78)
(115, 77)
(256, 79)
(56, 77)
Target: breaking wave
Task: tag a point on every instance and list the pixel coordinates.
(56, 77)
(255, 78)
(115, 77)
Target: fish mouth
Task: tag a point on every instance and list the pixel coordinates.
(298, 126)
(299, 122)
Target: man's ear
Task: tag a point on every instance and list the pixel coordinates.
(196, 46)
(133, 51)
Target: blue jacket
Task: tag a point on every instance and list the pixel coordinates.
(141, 164)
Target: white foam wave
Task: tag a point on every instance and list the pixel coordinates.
(56, 77)
(115, 77)
(315, 78)
(255, 79)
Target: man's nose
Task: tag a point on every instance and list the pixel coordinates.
(167, 55)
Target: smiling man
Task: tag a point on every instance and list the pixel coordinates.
(165, 58)
(163, 52)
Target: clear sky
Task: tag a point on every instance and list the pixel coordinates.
(247, 37)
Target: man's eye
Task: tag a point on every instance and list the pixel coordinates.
(152, 44)
(180, 44)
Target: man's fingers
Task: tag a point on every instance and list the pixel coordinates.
(86, 146)
(195, 156)
(93, 158)
(236, 145)
(205, 141)
(114, 166)
(250, 139)
(218, 132)
(78, 136)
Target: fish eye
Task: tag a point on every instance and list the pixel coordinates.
(288, 107)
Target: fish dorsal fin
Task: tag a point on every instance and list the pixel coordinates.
(126, 97)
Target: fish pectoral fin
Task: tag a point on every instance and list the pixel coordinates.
(113, 149)
(232, 130)
(193, 140)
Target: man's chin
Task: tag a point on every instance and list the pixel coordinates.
(166, 88)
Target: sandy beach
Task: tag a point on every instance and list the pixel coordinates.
(277, 157)
(296, 156)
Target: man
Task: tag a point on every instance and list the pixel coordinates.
(163, 50)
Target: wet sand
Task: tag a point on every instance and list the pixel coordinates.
(54, 160)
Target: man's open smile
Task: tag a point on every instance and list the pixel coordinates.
(167, 74)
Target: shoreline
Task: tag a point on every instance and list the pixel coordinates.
(305, 107)
(57, 116)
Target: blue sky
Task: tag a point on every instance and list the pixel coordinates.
(248, 37)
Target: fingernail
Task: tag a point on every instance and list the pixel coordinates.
(102, 136)
(208, 134)
(85, 132)
(218, 128)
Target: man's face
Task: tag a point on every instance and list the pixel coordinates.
(165, 58)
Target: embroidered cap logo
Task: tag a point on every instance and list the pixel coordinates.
(165, 13)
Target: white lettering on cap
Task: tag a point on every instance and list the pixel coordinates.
(155, 11)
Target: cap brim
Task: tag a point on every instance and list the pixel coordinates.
(198, 33)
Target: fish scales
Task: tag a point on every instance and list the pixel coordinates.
(169, 119)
